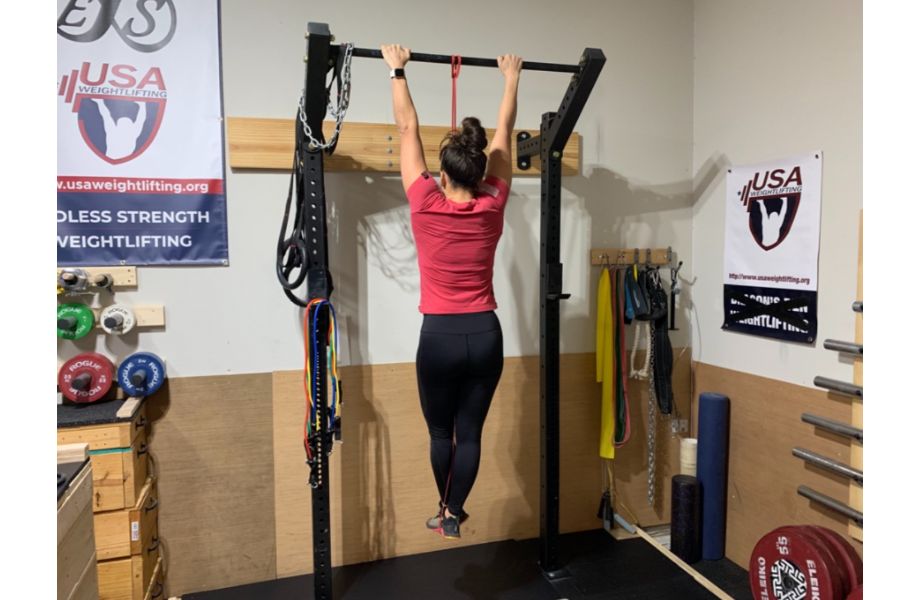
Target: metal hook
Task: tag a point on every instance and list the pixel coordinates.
(648, 257)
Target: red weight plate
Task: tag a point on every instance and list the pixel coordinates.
(841, 559)
(856, 594)
(787, 564)
(86, 377)
(852, 556)
(834, 565)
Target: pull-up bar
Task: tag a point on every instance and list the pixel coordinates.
(469, 61)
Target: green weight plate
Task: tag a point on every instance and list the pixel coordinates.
(74, 320)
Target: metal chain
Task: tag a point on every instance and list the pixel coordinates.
(336, 109)
(652, 419)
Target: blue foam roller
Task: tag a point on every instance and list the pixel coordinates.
(712, 471)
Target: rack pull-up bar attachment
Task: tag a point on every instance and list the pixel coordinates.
(469, 61)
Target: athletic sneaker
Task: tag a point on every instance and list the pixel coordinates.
(434, 523)
(450, 527)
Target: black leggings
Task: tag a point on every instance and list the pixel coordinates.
(458, 365)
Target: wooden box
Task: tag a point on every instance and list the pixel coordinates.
(119, 474)
(76, 558)
(129, 578)
(124, 533)
(101, 436)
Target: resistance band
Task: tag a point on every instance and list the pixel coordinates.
(454, 74)
(623, 427)
(312, 374)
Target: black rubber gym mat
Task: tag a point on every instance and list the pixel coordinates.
(599, 566)
(66, 473)
(92, 413)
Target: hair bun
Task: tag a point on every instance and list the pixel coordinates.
(472, 135)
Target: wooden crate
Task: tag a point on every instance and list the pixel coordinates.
(106, 435)
(128, 578)
(124, 533)
(119, 474)
(76, 557)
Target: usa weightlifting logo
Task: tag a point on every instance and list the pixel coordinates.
(119, 107)
(772, 199)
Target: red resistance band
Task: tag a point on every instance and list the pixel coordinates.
(454, 73)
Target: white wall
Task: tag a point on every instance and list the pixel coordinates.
(777, 78)
(635, 189)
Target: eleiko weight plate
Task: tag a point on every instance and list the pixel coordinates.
(86, 377)
(848, 556)
(117, 319)
(141, 374)
(834, 565)
(787, 565)
(74, 320)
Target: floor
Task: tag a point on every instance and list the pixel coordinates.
(600, 567)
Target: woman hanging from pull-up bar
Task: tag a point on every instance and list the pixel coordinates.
(456, 226)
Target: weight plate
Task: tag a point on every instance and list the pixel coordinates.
(787, 565)
(72, 280)
(117, 319)
(74, 320)
(141, 374)
(836, 568)
(86, 377)
(847, 555)
(856, 594)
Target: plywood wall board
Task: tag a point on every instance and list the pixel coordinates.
(381, 476)
(211, 438)
(256, 143)
(856, 449)
(763, 475)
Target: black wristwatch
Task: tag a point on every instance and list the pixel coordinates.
(397, 73)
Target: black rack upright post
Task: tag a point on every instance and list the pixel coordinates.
(319, 285)
(555, 130)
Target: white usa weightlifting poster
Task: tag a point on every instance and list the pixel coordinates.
(140, 133)
(772, 234)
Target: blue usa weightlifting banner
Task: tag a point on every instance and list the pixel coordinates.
(772, 234)
(140, 133)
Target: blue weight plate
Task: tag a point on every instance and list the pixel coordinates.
(141, 374)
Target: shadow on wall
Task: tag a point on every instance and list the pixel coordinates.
(362, 213)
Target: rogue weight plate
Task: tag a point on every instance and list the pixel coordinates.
(846, 554)
(74, 320)
(838, 572)
(86, 377)
(787, 564)
(117, 319)
(141, 374)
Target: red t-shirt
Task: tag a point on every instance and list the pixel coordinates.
(456, 245)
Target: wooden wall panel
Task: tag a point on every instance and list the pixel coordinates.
(233, 485)
(211, 438)
(256, 143)
(856, 449)
(763, 475)
(381, 478)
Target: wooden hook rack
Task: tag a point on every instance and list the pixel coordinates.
(631, 256)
